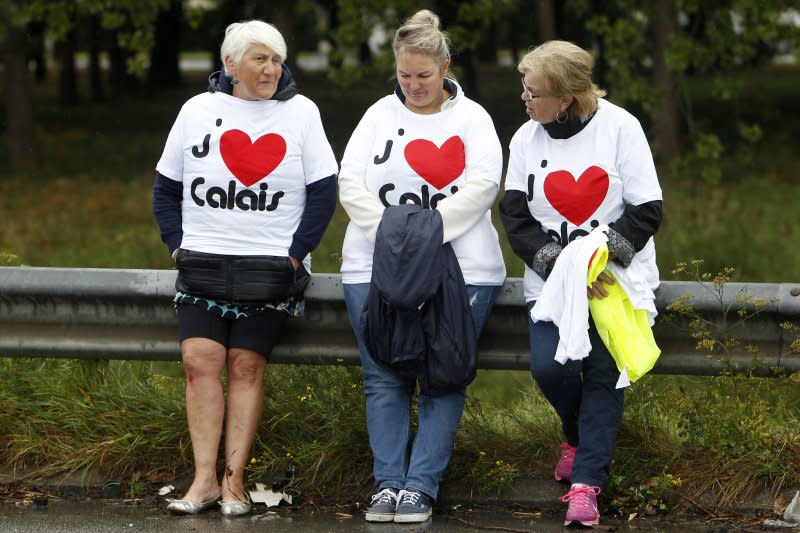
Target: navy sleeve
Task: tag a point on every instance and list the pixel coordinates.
(525, 233)
(167, 198)
(639, 222)
(318, 211)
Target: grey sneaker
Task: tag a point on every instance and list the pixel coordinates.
(413, 506)
(382, 506)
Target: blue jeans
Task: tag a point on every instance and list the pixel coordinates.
(584, 395)
(388, 397)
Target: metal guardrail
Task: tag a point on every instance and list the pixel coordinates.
(127, 314)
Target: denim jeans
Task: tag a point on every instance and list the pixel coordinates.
(584, 395)
(388, 396)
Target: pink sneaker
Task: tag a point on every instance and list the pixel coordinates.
(582, 505)
(564, 464)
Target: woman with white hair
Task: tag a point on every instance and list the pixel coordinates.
(244, 190)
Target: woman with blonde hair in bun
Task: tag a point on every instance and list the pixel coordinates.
(428, 153)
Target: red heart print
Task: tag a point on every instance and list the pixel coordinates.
(437, 166)
(576, 200)
(250, 161)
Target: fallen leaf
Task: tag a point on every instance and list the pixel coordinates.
(780, 504)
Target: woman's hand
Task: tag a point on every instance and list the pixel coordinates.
(295, 262)
(596, 289)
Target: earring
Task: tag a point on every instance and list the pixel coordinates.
(234, 81)
(562, 119)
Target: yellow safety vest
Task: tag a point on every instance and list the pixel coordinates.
(625, 331)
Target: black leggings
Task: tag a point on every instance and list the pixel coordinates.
(258, 333)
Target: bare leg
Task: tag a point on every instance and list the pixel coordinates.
(203, 361)
(245, 405)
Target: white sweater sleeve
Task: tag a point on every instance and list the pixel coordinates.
(362, 206)
(465, 208)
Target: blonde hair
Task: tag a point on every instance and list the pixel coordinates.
(240, 36)
(567, 69)
(420, 34)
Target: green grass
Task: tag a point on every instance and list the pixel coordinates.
(732, 434)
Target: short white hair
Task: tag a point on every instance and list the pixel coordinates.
(240, 36)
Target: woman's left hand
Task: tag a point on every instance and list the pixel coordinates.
(295, 262)
(596, 289)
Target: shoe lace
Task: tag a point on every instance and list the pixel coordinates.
(567, 452)
(409, 497)
(384, 496)
(579, 496)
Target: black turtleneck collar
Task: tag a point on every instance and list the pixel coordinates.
(568, 128)
(287, 88)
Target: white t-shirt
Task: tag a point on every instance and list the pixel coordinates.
(576, 184)
(406, 157)
(244, 167)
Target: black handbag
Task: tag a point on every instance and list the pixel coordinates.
(236, 279)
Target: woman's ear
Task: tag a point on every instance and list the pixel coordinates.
(566, 101)
(230, 67)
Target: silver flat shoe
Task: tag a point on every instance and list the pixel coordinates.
(236, 508)
(190, 507)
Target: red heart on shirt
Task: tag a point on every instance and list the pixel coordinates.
(576, 200)
(437, 166)
(250, 161)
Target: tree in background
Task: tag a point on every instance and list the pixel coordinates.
(164, 71)
(133, 24)
(19, 109)
(648, 48)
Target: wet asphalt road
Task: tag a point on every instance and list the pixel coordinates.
(99, 516)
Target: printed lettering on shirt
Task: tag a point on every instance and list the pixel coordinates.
(439, 166)
(250, 162)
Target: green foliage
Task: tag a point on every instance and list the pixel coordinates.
(654, 496)
(623, 41)
(490, 474)
(89, 417)
(357, 19)
(132, 20)
(313, 429)
(8, 259)
(703, 160)
(710, 39)
(136, 486)
(719, 339)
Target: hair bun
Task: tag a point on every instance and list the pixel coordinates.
(425, 17)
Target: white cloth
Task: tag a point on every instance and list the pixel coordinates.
(244, 167)
(563, 300)
(396, 156)
(577, 184)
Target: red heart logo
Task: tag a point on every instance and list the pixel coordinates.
(250, 161)
(437, 166)
(576, 200)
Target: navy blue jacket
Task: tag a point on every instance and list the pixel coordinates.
(417, 318)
